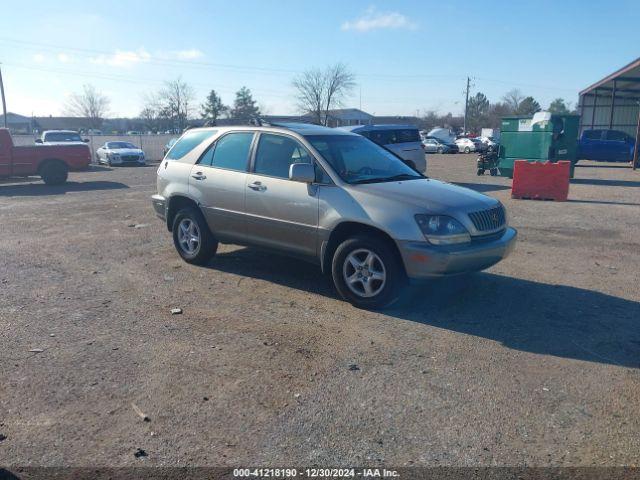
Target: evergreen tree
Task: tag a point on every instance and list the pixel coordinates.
(244, 106)
(213, 108)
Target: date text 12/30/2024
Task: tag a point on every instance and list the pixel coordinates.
(314, 473)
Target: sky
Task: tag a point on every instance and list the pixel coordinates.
(409, 56)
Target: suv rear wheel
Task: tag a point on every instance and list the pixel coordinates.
(192, 238)
(366, 272)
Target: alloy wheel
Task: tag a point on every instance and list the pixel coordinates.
(364, 273)
(189, 236)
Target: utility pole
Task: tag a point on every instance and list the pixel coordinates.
(466, 105)
(4, 103)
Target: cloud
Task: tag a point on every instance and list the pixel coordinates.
(127, 58)
(39, 58)
(64, 58)
(122, 58)
(189, 54)
(375, 20)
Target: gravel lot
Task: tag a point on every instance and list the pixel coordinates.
(534, 362)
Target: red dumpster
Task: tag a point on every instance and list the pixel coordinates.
(541, 180)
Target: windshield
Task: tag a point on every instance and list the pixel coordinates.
(119, 145)
(358, 160)
(62, 137)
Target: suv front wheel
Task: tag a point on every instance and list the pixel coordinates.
(367, 273)
(192, 238)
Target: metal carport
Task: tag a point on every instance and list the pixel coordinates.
(614, 103)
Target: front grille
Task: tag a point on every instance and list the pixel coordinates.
(129, 158)
(488, 220)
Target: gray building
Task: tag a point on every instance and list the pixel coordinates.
(613, 102)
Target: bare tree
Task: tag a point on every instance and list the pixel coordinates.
(318, 91)
(513, 98)
(311, 93)
(176, 102)
(339, 83)
(90, 104)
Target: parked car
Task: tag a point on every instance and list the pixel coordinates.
(168, 145)
(480, 145)
(435, 145)
(606, 145)
(54, 137)
(490, 142)
(328, 196)
(403, 140)
(52, 162)
(466, 145)
(120, 153)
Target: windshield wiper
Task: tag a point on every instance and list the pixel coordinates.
(402, 176)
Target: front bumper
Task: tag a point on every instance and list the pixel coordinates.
(423, 260)
(160, 206)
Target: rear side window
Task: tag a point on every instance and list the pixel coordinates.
(276, 153)
(408, 135)
(593, 134)
(384, 137)
(230, 151)
(616, 136)
(188, 142)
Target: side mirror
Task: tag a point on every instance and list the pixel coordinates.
(38, 140)
(302, 172)
(85, 140)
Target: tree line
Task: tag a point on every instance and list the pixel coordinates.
(317, 91)
(482, 113)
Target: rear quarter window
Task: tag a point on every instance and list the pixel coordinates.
(188, 142)
(408, 135)
(592, 134)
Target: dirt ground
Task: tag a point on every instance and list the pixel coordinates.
(533, 362)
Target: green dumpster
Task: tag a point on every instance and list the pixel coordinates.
(540, 138)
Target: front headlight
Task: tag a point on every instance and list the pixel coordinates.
(442, 230)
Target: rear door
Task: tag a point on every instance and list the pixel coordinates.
(617, 146)
(218, 180)
(280, 213)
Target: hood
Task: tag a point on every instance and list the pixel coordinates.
(126, 151)
(427, 196)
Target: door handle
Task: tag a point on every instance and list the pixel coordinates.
(199, 176)
(257, 186)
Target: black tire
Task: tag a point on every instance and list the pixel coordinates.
(440, 150)
(54, 172)
(467, 150)
(207, 245)
(493, 172)
(480, 172)
(395, 277)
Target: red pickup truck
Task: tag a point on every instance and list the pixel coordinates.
(51, 162)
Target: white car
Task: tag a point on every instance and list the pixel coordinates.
(466, 145)
(120, 153)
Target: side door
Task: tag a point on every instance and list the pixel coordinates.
(591, 145)
(280, 213)
(218, 181)
(5, 156)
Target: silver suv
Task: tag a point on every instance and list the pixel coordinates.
(329, 196)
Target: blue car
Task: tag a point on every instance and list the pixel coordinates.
(606, 146)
